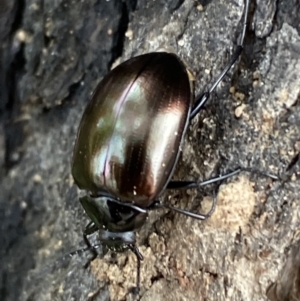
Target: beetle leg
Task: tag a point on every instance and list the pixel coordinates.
(139, 258)
(158, 204)
(202, 99)
(90, 229)
(198, 216)
(194, 184)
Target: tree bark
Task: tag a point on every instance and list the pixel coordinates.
(53, 53)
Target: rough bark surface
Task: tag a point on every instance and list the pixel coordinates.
(52, 55)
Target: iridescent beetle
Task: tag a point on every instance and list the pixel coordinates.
(128, 144)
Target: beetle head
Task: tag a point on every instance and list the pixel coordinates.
(111, 215)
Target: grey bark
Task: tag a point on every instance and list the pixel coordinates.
(53, 53)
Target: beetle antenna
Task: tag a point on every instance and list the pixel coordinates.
(139, 258)
(48, 269)
(79, 252)
(203, 98)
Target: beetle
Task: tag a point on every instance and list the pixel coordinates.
(128, 144)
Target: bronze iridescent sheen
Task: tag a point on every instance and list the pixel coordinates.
(129, 136)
